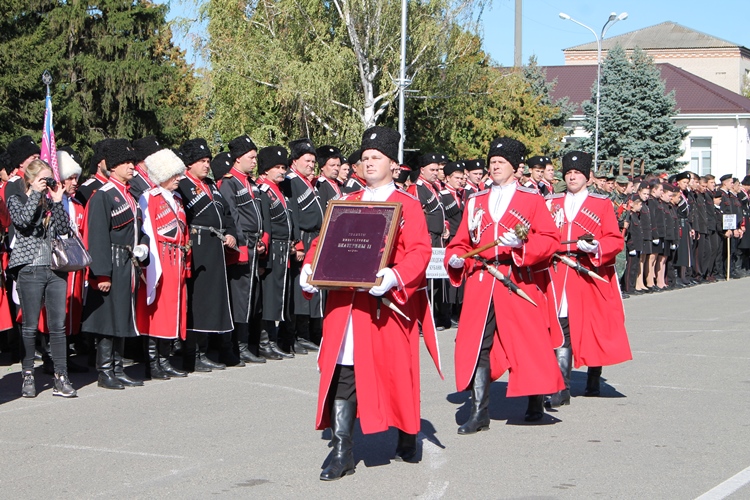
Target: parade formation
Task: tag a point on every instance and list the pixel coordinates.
(207, 261)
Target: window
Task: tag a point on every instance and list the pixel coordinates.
(700, 155)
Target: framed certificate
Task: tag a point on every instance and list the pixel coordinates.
(355, 243)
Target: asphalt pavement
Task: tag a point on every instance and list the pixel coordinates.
(673, 423)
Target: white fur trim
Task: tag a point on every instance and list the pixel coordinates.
(67, 166)
(162, 165)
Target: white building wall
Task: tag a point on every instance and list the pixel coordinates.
(730, 141)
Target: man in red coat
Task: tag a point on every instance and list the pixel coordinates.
(589, 310)
(369, 356)
(498, 329)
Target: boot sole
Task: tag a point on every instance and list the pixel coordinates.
(479, 429)
(56, 393)
(345, 473)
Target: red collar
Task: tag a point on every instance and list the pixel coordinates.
(303, 178)
(425, 183)
(273, 187)
(243, 178)
(333, 184)
(123, 189)
(144, 175)
(200, 184)
(101, 177)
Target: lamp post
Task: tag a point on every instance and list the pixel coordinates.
(613, 18)
(403, 82)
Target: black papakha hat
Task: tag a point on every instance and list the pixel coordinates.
(146, 146)
(577, 160)
(118, 151)
(452, 166)
(271, 156)
(510, 149)
(241, 145)
(221, 164)
(20, 149)
(299, 148)
(325, 153)
(471, 165)
(194, 150)
(383, 139)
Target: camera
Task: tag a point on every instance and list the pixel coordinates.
(51, 183)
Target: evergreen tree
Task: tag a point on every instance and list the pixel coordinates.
(635, 119)
(115, 71)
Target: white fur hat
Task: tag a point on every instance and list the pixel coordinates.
(163, 164)
(67, 166)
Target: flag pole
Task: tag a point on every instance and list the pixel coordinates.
(47, 80)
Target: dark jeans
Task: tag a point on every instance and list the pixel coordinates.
(39, 285)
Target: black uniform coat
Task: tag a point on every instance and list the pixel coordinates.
(683, 257)
(243, 200)
(307, 218)
(112, 230)
(88, 188)
(207, 287)
(277, 235)
(352, 185)
(453, 203)
(328, 190)
(433, 210)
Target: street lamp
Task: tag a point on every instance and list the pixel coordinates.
(613, 18)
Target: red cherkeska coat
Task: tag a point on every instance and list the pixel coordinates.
(386, 350)
(162, 303)
(595, 312)
(523, 343)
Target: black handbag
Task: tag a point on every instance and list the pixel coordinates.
(69, 254)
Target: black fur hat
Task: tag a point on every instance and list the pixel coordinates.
(428, 159)
(271, 156)
(577, 160)
(239, 146)
(383, 139)
(194, 150)
(354, 157)
(146, 146)
(512, 150)
(472, 165)
(325, 153)
(118, 151)
(299, 148)
(20, 149)
(222, 164)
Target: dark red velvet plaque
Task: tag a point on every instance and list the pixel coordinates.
(355, 243)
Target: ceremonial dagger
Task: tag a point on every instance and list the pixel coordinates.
(505, 280)
(586, 237)
(578, 267)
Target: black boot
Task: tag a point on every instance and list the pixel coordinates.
(535, 409)
(592, 381)
(242, 331)
(564, 361)
(480, 409)
(163, 348)
(200, 354)
(302, 343)
(105, 364)
(226, 351)
(406, 449)
(343, 415)
(189, 354)
(153, 368)
(264, 346)
(118, 347)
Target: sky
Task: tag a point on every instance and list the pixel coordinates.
(546, 35)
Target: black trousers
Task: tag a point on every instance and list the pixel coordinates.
(343, 384)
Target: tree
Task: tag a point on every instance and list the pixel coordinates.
(115, 71)
(282, 69)
(636, 115)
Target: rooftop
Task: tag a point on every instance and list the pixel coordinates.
(666, 35)
(694, 95)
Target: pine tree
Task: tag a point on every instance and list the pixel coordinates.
(115, 71)
(635, 119)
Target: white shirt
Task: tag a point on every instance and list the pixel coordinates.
(573, 203)
(500, 197)
(346, 354)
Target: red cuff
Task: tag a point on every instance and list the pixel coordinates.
(265, 239)
(244, 257)
(300, 247)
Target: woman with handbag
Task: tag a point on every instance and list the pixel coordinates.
(38, 217)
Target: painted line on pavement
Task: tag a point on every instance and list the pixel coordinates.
(743, 358)
(100, 450)
(728, 487)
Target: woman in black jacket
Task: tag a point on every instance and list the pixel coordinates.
(38, 217)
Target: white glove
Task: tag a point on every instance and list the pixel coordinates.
(389, 281)
(673, 247)
(140, 252)
(304, 276)
(655, 242)
(456, 262)
(585, 246)
(511, 239)
(632, 252)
